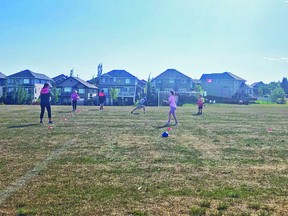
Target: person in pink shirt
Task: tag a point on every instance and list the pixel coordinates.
(74, 98)
(172, 103)
(200, 104)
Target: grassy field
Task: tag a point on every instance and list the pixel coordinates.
(232, 160)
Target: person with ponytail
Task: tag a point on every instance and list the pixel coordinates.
(45, 97)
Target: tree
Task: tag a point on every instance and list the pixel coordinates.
(21, 95)
(114, 94)
(55, 92)
(96, 79)
(284, 85)
(148, 87)
(278, 95)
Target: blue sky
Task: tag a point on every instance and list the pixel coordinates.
(246, 37)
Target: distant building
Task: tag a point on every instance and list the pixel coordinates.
(2, 83)
(256, 87)
(225, 86)
(85, 90)
(31, 82)
(172, 79)
(129, 87)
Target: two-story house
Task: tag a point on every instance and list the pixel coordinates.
(256, 86)
(172, 79)
(31, 82)
(86, 91)
(129, 87)
(2, 83)
(224, 86)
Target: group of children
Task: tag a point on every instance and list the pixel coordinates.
(46, 94)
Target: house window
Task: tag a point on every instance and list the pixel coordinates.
(67, 89)
(127, 81)
(103, 80)
(114, 80)
(81, 91)
(105, 90)
(171, 80)
(26, 81)
(183, 81)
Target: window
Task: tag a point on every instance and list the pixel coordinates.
(114, 79)
(81, 91)
(26, 81)
(103, 80)
(67, 89)
(158, 81)
(171, 80)
(183, 81)
(9, 81)
(105, 90)
(127, 81)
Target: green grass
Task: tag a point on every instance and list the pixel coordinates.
(223, 162)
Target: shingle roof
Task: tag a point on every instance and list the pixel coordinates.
(257, 83)
(171, 73)
(2, 76)
(59, 78)
(119, 73)
(225, 75)
(28, 73)
(85, 83)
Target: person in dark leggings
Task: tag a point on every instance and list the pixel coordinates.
(45, 96)
(74, 98)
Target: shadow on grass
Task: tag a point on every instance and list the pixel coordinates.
(135, 113)
(93, 110)
(65, 111)
(22, 126)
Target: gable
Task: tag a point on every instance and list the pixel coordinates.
(119, 74)
(171, 74)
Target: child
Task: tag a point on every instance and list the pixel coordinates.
(140, 105)
(74, 98)
(200, 104)
(102, 99)
(45, 96)
(173, 106)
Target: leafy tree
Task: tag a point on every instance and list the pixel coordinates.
(278, 95)
(96, 79)
(284, 85)
(21, 95)
(56, 92)
(148, 87)
(114, 94)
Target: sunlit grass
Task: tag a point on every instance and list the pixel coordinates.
(115, 163)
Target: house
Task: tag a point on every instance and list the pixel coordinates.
(31, 82)
(256, 86)
(224, 86)
(86, 91)
(129, 87)
(2, 83)
(59, 78)
(172, 79)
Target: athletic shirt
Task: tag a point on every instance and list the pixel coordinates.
(45, 96)
(200, 102)
(74, 96)
(142, 101)
(172, 101)
(102, 97)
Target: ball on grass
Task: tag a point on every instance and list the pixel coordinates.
(165, 134)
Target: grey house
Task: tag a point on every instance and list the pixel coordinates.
(32, 83)
(224, 86)
(129, 87)
(2, 83)
(172, 79)
(59, 78)
(86, 91)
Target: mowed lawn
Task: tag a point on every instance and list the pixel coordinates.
(232, 160)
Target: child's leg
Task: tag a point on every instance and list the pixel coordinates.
(48, 107)
(175, 117)
(42, 112)
(133, 110)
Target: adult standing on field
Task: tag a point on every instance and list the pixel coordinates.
(45, 97)
(102, 99)
(74, 98)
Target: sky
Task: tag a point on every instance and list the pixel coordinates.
(248, 38)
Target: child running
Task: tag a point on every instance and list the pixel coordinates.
(74, 98)
(200, 104)
(140, 105)
(102, 99)
(45, 96)
(173, 107)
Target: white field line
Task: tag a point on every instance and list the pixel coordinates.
(25, 179)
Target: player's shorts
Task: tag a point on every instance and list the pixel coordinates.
(200, 107)
(172, 110)
(140, 106)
